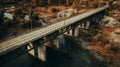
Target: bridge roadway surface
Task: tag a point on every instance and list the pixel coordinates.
(16, 42)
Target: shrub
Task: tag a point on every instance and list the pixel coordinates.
(54, 10)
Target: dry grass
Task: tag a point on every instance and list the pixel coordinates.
(102, 46)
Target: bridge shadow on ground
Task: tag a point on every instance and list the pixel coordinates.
(73, 56)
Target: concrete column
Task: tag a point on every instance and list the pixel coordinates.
(29, 46)
(80, 26)
(39, 50)
(87, 24)
(42, 52)
(61, 39)
(73, 31)
(70, 32)
(56, 43)
(76, 31)
(66, 33)
(83, 25)
(34, 51)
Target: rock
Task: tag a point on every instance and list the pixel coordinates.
(115, 38)
(109, 22)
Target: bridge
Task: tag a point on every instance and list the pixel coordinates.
(33, 42)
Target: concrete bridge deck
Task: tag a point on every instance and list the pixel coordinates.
(14, 43)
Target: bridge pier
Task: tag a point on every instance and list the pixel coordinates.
(76, 31)
(87, 24)
(42, 52)
(35, 50)
(71, 32)
(54, 43)
(83, 25)
(61, 39)
(39, 50)
(66, 33)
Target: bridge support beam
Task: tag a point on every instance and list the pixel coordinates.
(62, 42)
(39, 50)
(83, 25)
(76, 31)
(35, 51)
(87, 25)
(66, 33)
(71, 32)
(54, 43)
(42, 52)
